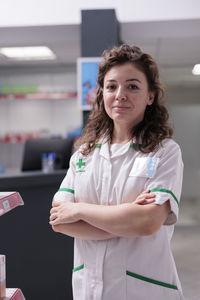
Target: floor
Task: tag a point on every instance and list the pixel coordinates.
(186, 248)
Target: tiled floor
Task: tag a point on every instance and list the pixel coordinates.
(186, 249)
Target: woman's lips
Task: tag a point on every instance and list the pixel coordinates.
(120, 107)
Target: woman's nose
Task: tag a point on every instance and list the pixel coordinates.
(121, 94)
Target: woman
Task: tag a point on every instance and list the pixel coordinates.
(123, 187)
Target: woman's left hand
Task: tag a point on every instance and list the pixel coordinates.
(64, 212)
(145, 198)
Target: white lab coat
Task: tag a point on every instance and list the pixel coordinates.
(137, 268)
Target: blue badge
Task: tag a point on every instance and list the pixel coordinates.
(151, 165)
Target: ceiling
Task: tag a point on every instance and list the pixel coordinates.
(174, 44)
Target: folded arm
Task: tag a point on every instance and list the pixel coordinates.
(90, 221)
(83, 230)
(125, 220)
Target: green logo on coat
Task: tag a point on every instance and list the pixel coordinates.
(80, 164)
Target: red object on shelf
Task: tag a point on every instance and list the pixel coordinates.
(14, 294)
(8, 201)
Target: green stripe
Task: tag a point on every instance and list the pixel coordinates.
(97, 145)
(66, 190)
(140, 277)
(165, 191)
(78, 268)
(132, 145)
(80, 171)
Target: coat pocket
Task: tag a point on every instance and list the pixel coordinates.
(144, 167)
(140, 287)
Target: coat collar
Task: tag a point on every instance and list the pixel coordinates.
(104, 151)
(104, 146)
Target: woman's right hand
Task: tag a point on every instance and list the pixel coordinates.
(145, 198)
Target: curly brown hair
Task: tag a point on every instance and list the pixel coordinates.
(153, 128)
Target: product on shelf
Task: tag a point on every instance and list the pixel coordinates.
(14, 294)
(9, 200)
(2, 277)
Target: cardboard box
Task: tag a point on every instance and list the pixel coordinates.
(8, 201)
(2, 276)
(14, 294)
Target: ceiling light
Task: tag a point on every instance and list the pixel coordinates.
(27, 53)
(196, 70)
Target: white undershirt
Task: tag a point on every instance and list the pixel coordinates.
(117, 149)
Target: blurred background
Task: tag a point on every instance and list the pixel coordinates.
(38, 96)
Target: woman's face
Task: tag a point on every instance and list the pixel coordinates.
(126, 95)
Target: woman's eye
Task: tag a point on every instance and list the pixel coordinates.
(133, 87)
(110, 87)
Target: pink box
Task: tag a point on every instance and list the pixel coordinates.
(14, 294)
(8, 201)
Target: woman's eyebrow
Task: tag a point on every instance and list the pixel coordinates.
(111, 80)
(133, 79)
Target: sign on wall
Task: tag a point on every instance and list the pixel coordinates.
(87, 71)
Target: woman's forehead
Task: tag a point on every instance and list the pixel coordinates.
(124, 71)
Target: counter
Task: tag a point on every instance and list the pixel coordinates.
(39, 260)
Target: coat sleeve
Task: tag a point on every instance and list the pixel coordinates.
(66, 190)
(167, 180)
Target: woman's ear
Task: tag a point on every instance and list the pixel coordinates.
(151, 98)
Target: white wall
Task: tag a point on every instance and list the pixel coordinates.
(186, 120)
(184, 104)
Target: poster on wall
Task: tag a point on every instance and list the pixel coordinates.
(87, 71)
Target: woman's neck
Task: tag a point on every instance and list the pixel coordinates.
(120, 136)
